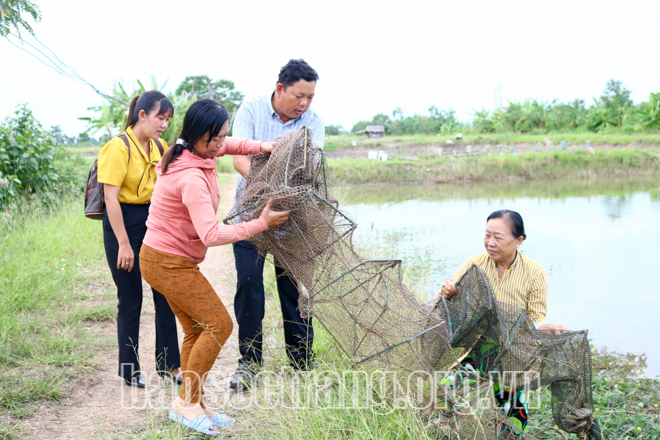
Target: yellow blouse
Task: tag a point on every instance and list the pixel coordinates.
(135, 177)
(524, 284)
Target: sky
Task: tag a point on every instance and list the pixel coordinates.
(371, 57)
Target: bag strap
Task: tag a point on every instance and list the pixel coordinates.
(124, 138)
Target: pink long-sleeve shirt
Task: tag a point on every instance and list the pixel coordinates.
(182, 217)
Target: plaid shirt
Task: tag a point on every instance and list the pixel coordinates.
(256, 119)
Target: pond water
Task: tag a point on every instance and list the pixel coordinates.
(599, 242)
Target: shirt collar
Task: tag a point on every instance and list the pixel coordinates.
(277, 115)
(515, 261)
(131, 134)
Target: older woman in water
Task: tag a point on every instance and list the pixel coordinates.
(515, 279)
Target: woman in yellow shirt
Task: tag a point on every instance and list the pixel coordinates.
(128, 179)
(515, 279)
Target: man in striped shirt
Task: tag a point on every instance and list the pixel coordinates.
(264, 118)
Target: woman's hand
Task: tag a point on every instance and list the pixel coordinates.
(557, 328)
(125, 257)
(267, 147)
(274, 218)
(448, 290)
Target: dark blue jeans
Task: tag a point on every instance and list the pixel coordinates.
(129, 295)
(250, 303)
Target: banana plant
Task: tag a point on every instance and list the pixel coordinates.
(650, 112)
(600, 115)
(111, 115)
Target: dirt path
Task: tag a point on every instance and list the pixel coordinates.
(100, 405)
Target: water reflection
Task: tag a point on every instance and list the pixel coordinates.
(598, 241)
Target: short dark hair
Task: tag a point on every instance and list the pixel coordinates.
(294, 71)
(513, 219)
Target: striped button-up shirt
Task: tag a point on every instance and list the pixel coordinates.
(525, 283)
(256, 119)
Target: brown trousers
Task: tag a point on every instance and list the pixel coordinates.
(205, 321)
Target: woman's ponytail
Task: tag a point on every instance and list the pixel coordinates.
(129, 120)
(173, 153)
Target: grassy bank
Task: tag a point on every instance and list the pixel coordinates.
(333, 143)
(625, 401)
(554, 189)
(528, 166)
(51, 287)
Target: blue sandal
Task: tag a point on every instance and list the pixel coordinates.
(222, 421)
(200, 423)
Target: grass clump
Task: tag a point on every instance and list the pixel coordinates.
(626, 401)
(49, 257)
(527, 166)
(333, 143)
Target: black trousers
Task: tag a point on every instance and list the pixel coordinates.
(250, 303)
(129, 294)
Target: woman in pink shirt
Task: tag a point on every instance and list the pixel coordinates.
(182, 225)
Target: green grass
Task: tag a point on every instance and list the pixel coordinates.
(626, 403)
(50, 268)
(333, 143)
(92, 151)
(528, 166)
(53, 283)
(555, 189)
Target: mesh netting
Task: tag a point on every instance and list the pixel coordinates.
(372, 315)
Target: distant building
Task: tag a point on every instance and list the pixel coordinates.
(373, 131)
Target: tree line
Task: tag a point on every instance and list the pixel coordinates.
(109, 117)
(614, 110)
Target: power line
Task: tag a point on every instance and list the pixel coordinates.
(48, 57)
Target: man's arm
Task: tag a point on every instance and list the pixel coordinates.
(318, 131)
(243, 129)
(241, 164)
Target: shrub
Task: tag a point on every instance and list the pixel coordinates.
(27, 167)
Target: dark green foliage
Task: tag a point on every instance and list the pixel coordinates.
(614, 109)
(359, 126)
(27, 162)
(110, 117)
(57, 136)
(439, 121)
(12, 16)
(615, 95)
(221, 90)
(334, 130)
(650, 112)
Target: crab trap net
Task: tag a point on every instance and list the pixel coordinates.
(373, 317)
